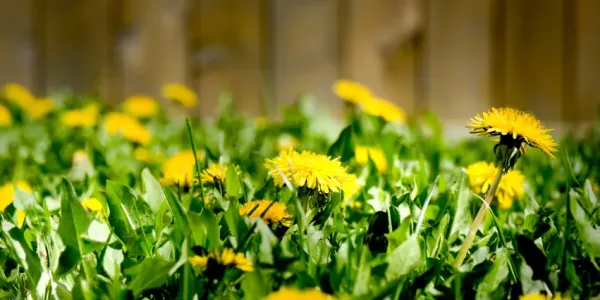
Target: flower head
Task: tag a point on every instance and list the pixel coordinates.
(287, 293)
(180, 93)
(276, 213)
(40, 108)
(362, 154)
(214, 173)
(179, 169)
(307, 169)
(351, 187)
(557, 296)
(129, 127)
(384, 109)
(351, 91)
(5, 116)
(145, 155)
(7, 193)
(92, 204)
(84, 117)
(225, 258)
(523, 128)
(140, 106)
(18, 94)
(21, 214)
(511, 187)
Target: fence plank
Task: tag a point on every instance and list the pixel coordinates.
(17, 46)
(458, 58)
(588, 65)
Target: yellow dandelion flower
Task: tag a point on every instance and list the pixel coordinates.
(129, 127)
(521, 127)
(40, 108)
(179, 169)
(286, 141)
(145, 155)
(511, 187)
(313, 171)
(5, 116)
(18, 94)
(84, 117)
(277, 213)
(140, 106)
(7, 193)
(384, 109)
(180, 93)
(362, 154)
(21, 214)
(226, 258)
(351, 91)
(214, 173)
(351, 187)
(287, 293)
(542, 297)
(93, 204)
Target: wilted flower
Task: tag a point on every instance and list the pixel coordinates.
(140, 106)
(7, 193)
(225, 258)
(84, 117)
(93, 204)
(287, 293)
(515, 128)
(179, 169)
(129, 127)
(5, 116)
(180, 93)
(307, 169)
(384, 109)
(362, 154)
(276, 213)
(482, 174)
(351, 91)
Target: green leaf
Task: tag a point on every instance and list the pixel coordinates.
(153, 194)
(205, 229)
(232, 182)
(27, 258)
(403, 259)
(253, 285)
(180, 218)
(363, 275)
(124, 217)
(462, 215)
(496, 275)
(75, 220)
(268, 240)
(343, 147)
(588, 233)
(112, 261)
(69, 258)
(151, 273)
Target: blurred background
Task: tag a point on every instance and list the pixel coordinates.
(455, 57)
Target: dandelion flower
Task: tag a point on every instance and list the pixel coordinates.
(362, 154)
(287, 293)
(7, 193)
(144, 155)
(92, 204)
(140, 106)
(307, 169)
(351, 187)
(21, 214)
(522, 128)
(40, 108)
(129, 127)
(214, 173)
(351, 91)
(384, 109)
(226, 258)
(5, 116)
(542, 297)
(84, 117)
(18, 94)
(179, 169)
(511, 187)
(276, 213)
(180, 93)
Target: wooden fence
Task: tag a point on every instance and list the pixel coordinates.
(456, 57)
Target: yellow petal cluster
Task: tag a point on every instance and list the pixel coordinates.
(7, 193)
(5, 116)
(84, 117)
(20, 95)
(93, 204)
(179, 169)
(225, 258)
(362, 154)
(517, 124)
(180, 93)
(542, 297)
(276, 213)
(384, 109)
(287, 293)
(140, 106)
(40, 108)
(351, 187)
(511, 187)
(128, 127)
(307, 169)
(214, 173)
(145, 155)
(21, 214)
(352, 91)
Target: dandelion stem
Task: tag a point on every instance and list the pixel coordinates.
(468, 242)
